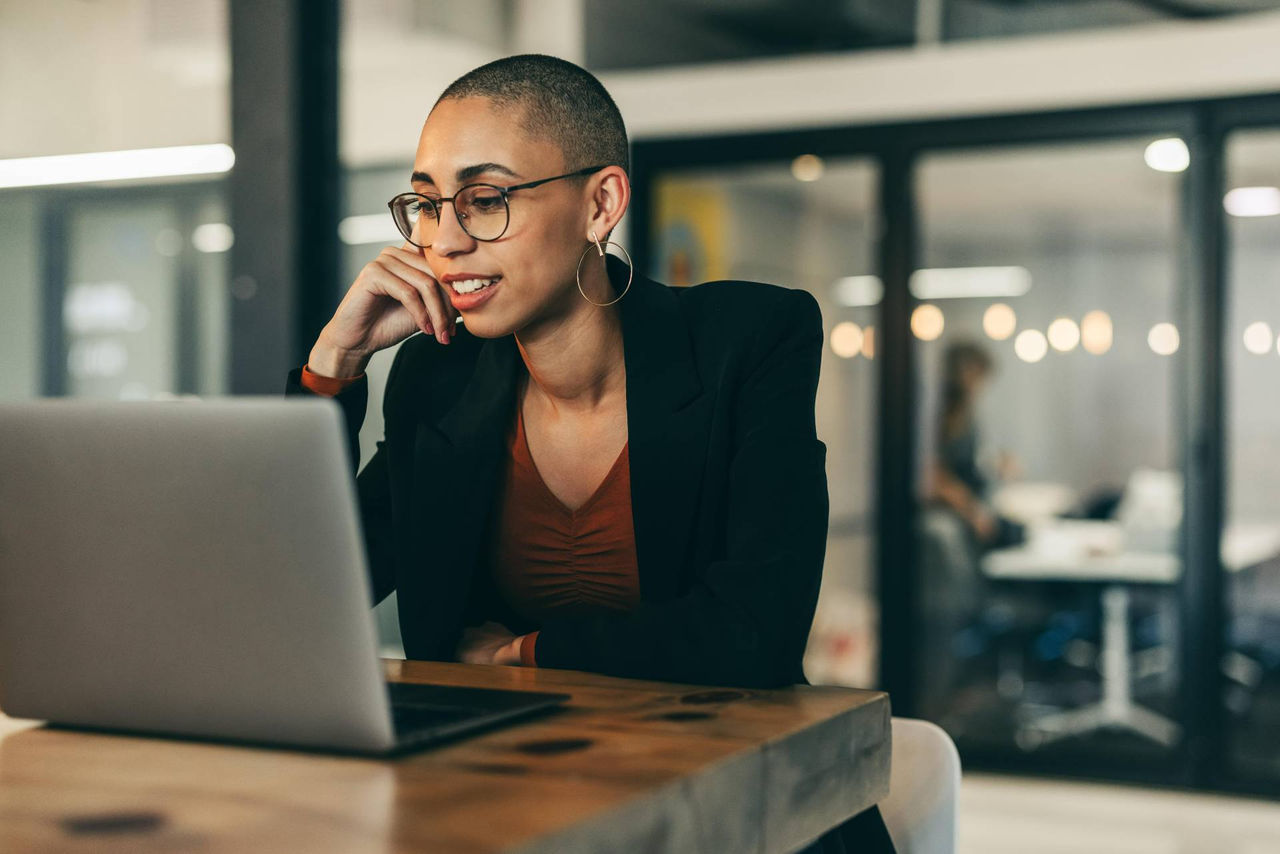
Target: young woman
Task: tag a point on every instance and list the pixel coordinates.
(593, 471)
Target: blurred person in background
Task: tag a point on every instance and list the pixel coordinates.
(960, 614)
(592, 471)
(958, 480)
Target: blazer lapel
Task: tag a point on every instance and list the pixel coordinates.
(668, 425)
(458, 458)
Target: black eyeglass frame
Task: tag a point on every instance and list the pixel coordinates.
(438, 204)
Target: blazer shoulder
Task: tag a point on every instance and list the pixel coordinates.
(752, 311)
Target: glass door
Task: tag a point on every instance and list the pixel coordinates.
(1251, 531)
(1050, 492)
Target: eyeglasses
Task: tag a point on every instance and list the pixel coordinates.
(483, 210)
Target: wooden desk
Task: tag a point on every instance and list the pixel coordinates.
(627, 766)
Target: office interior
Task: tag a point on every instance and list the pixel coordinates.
(1082, 199)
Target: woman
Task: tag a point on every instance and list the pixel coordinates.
(958, 480)
(593, 471)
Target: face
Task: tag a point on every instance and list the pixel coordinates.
(974, 377)
(535, 258)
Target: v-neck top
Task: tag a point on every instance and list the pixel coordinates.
(548, 560)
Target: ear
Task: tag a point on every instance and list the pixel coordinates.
(609, 194)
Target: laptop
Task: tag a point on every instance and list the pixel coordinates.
(195, 568)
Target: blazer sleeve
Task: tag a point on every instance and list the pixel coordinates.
(373, 486)
(746, 621)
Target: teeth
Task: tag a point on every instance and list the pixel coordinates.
(466, 286)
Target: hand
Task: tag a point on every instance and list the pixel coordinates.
(490, 643)
(984, 525)
(394, 296)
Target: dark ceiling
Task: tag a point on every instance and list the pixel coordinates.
(628, 34)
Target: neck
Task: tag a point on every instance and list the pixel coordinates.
(575, 358)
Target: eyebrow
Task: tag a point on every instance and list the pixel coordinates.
(466, 173)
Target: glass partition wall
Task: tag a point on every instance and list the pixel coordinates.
(1075, 318)
(1050, 493)
(1251, 530)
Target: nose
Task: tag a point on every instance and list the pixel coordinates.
(450, 237)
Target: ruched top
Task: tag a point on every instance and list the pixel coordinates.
(550, 561)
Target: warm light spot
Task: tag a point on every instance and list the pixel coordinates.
(869, 342)
(846, 340)
(927, 322)
(1163, 339)
(807, 167)
(1064, 335)
(1257, 338)
(1030, 345)
(1096, 332)
(999, 321)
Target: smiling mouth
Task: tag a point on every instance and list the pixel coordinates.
(470, 286)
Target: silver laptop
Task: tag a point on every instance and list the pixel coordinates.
(195, 568)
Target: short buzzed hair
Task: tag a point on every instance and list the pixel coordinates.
(562, 102)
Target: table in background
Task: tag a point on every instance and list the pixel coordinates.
(626, 766)
(1094, 552)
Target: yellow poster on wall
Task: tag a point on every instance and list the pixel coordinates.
(690, 231)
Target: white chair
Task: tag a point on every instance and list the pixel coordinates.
(924, 783)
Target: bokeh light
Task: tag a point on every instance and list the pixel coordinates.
(846, 340)
(1168, 155)
(807, 167)
(1096, 332)
(1257, 338)
(1030, 345)
(1163, 339)
(927, 322)
(1064, 335)
(999, 321)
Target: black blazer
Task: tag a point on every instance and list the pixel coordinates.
(728, 487)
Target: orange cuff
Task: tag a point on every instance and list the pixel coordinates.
(526, 650)
(325, 386)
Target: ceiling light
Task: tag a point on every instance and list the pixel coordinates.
(858, 291)
(969, 282)
(369, 228)
(116, 165)
(1168, 155)
(1253, 201)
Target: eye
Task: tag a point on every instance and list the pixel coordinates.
(423, 207)
(487, 202)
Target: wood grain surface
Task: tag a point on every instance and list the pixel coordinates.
(625, 766)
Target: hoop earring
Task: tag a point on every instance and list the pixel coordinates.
(577, 274)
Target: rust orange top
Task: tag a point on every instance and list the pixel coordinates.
(548, 560)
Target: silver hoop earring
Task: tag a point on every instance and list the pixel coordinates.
(577, 274)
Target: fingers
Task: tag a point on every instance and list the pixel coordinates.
(408, 296)
(419, 277)
(412, 255)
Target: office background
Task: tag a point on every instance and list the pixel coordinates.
(1087, 191)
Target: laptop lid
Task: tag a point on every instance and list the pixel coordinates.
(187, 567)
